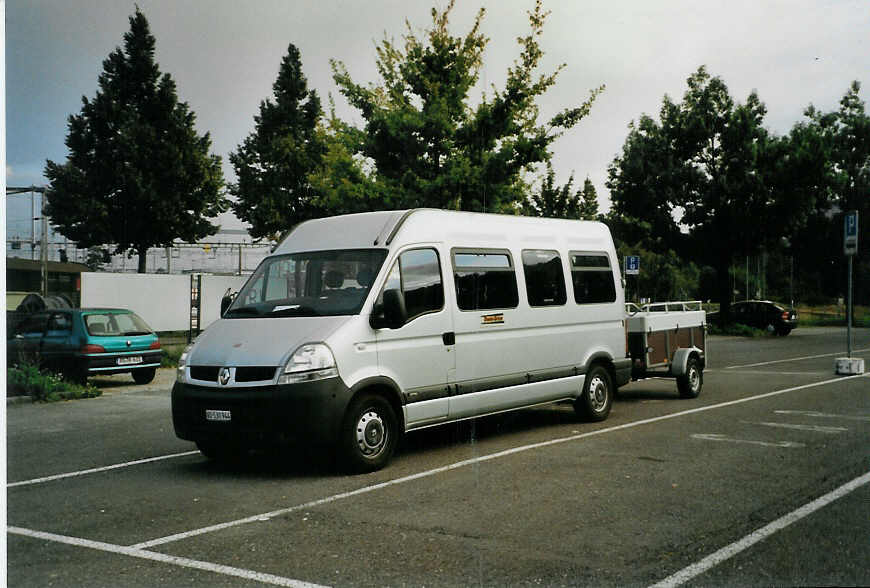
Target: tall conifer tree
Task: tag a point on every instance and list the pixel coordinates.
(274, 162)
(138, 175)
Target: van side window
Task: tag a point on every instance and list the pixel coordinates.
(545, 281)
(592, 278)
(485, 280)
(421, 282)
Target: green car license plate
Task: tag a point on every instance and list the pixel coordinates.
(130, 360)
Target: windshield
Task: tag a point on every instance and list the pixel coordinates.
(317, 283)
(114, 324)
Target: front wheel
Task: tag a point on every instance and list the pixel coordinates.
(597, 398)
(368, 434)
(144, 376)
(689, 385)
(221, 452)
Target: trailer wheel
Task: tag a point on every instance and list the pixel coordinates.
(597, 398)
(689, 385)
(369, 434)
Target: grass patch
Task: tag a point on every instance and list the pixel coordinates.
(832, 316)
(734, 330)
(171, 353)
(28, 380)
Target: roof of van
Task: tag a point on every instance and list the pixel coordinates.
(472, 229)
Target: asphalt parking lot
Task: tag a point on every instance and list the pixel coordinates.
(761, 480)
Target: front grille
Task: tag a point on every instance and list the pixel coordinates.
(209, 373)
(255, 374)
(205, 373)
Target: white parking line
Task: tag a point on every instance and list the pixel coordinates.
(734, 367)
(101, 469)
(733, 549)
(727, 439)
(797, 427)
(824, 415)
(163, 558)
(476, 460)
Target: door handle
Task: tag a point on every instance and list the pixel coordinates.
(449, 338)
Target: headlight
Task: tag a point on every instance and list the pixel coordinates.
(182, 363)
(312, 361)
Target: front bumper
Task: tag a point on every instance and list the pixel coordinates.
(308, 412)
(108, 363)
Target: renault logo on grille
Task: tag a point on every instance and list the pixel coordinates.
(224, 376)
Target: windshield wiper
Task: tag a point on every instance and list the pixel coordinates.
(293, 310)
(130, 333)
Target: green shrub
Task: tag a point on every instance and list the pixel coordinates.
(171, 353)
(734, 330)
(28, 380)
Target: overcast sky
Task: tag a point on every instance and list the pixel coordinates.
(224, 56)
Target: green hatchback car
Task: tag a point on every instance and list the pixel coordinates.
(82, 342)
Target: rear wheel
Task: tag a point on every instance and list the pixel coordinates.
(597, 398)
(368, 434)
(144, 376)
(689, 385)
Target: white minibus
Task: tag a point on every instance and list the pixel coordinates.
(360, 328)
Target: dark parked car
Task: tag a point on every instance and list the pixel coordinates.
(766, 315)
(82, 342)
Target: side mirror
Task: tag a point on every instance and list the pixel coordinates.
(226, 301)
(390, 314)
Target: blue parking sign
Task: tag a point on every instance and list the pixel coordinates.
(632, 264)
(850, 233)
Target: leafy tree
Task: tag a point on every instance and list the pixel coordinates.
(137, 175)
(663, 276)
(831, 153)
(428, 145)
(97, 258)
(643, 184)
(588, 201)
(343, 181)
(273, 164)
(559, 202)
(852, 153)
(712, 164)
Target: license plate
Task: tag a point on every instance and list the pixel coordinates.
(218, 415)
(131, 360)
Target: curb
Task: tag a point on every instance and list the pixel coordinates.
(13, 400)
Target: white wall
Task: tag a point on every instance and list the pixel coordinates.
(162, 300)
(213, 288)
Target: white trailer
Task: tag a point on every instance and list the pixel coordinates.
(668, 339)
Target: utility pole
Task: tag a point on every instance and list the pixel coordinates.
(43, 249)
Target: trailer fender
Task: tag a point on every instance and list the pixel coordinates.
(681, 359)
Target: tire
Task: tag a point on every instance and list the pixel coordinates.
(597, 398)
(144, 376)
(217, 451)
(691, 383)
(76, 374)
(369, 434)
(783, 331)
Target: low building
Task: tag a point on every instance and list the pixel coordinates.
(24, 276)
